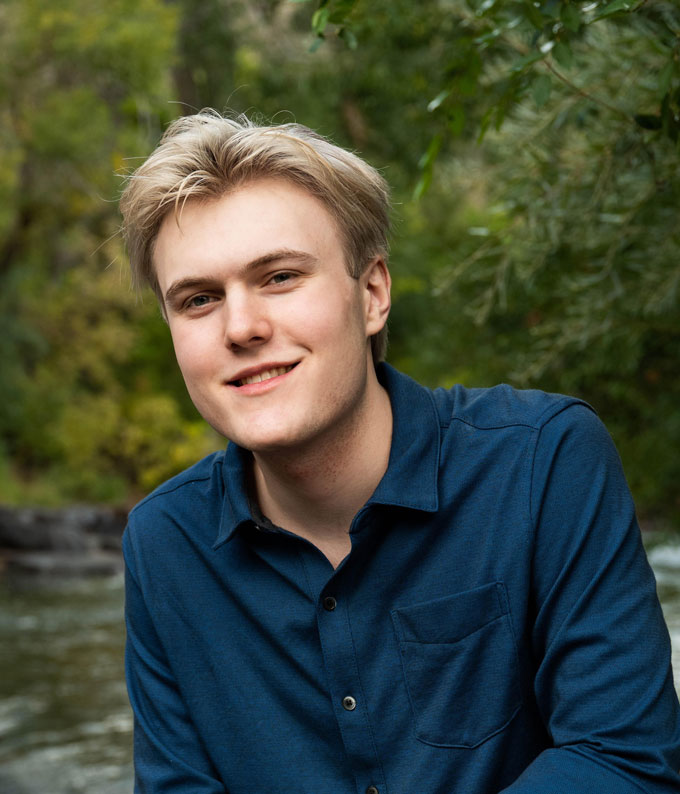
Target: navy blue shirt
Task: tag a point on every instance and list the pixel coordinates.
(495, 626)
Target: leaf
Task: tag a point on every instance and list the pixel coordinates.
(665, 78)
(484, 124)
(502, 109)
(430, 155)
(563, 54)
(670, 118)
(614, 8)
(533, 14)
(456, 120)
(527, 60)
(550, 8)
(426, 163)
(349, 38)
(422, 185)
(487, 38)
(485, 6)
(571, 17)
(541, 88)
(341, 10)
(345, 6)
(320, 20)
(437, 101)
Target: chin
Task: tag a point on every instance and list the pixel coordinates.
(270, 444)
(276, 440)
(262, 441)
(248, 434)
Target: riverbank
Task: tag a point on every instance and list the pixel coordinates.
(81, 540)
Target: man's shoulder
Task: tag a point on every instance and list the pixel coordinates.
(501, 406)
(178, 517)
(483, 408)
(187, 486)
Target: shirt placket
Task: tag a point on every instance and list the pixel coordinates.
(350, 700)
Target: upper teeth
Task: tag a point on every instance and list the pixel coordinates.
(269, 373)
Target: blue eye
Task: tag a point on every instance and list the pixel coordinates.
(199, 300)
(281, 278)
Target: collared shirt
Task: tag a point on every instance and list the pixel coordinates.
(495, 626)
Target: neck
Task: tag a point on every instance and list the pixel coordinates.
(317, 491)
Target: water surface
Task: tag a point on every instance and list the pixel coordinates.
(65, 724)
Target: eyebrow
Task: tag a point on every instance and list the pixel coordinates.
(189, 283)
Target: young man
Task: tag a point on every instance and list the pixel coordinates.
(376, 587)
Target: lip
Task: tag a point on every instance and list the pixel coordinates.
(252, 388)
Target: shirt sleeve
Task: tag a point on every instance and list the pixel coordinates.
(168, 755)
(603, 680)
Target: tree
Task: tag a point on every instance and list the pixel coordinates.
(569, 267)
(82, 85)
(539, 138)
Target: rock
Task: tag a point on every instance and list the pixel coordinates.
(81, 540)
(65, 563)
(77, 528)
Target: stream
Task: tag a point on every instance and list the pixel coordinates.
(65, 724)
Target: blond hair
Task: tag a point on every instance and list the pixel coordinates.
(206, 155)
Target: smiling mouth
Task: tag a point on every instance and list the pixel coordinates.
(266, 374)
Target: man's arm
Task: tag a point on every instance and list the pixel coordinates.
(603, 682)
(168, 754)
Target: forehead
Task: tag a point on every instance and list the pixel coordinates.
(244, 224)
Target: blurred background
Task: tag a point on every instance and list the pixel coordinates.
(533, 149)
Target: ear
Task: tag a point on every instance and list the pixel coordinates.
(377, 283)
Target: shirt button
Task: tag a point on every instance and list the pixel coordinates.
(349, 703)
(329, 603)
(372, 790)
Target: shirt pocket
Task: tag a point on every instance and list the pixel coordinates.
(460, 665)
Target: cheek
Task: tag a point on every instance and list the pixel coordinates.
(325, 323)
(192, 354)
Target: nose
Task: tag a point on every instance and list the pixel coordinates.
(246, 321)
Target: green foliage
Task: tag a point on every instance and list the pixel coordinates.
(539, 139)
(80, 83)
(559, 267)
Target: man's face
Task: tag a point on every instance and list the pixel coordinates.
(270, 330)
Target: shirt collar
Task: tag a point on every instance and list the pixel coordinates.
(236, 505)
(411, 477)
